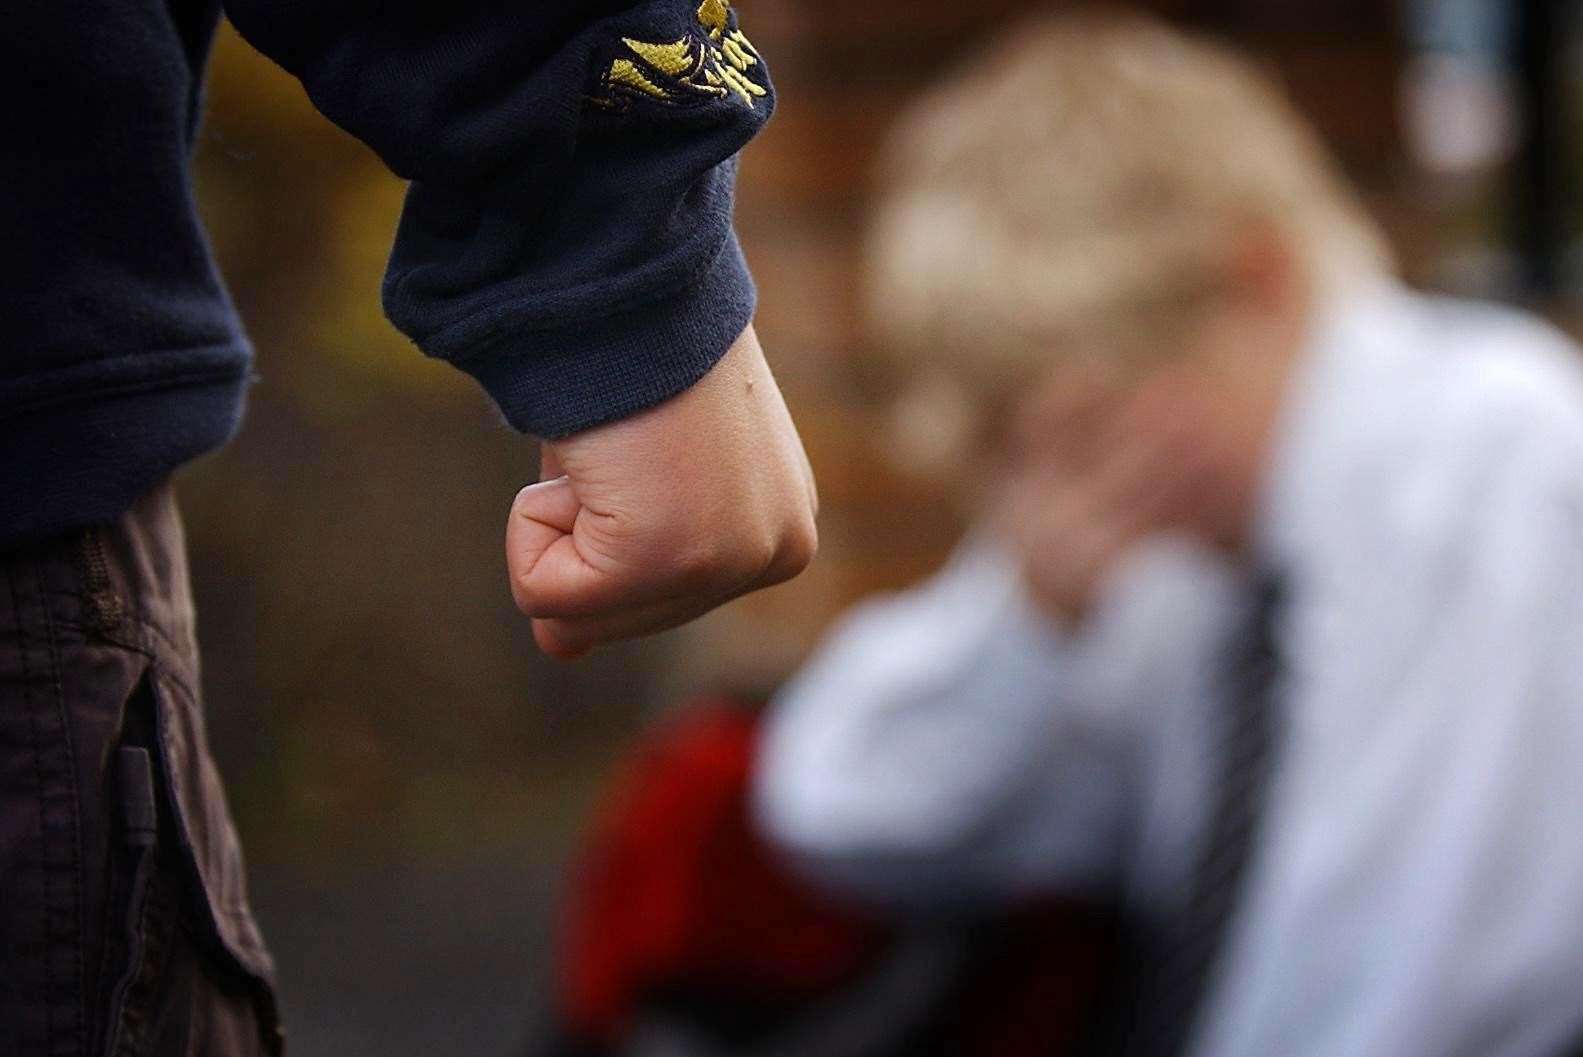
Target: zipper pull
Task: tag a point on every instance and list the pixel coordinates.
(139, 810)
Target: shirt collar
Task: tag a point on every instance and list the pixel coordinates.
(1340, 383)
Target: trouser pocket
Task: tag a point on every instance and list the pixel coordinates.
(174, 989)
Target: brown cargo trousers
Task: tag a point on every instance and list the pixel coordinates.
(124, 924)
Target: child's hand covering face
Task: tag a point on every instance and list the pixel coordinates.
(1099, 463)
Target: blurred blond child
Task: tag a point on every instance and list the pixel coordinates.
(1150, 329)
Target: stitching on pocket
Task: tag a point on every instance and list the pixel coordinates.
(139, 990)
(190, 790)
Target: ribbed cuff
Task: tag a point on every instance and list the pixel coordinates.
(551, 383)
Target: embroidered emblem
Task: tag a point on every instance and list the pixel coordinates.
(712, 61)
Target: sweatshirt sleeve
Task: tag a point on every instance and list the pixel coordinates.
(567, 234)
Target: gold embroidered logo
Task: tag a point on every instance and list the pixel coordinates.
(712, 60)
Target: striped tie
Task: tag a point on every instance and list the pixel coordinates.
(1173, 967)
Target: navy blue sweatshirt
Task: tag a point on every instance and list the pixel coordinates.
(566, 237)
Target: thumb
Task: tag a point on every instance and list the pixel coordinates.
(549, 572)
(542, 516)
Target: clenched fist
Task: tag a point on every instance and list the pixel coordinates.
(648, 522)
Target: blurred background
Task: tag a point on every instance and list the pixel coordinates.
(409, 775)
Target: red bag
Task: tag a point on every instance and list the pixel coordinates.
(680, 915)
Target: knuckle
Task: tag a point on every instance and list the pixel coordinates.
(802, 546)
(522, 593)
(699, 570)
(534, 600)
(793, 553)
(559, 641)
(745, 556)
(529, 604)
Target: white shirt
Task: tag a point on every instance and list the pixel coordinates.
(1417, 888)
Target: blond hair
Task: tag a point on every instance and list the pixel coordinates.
(1080, 176)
